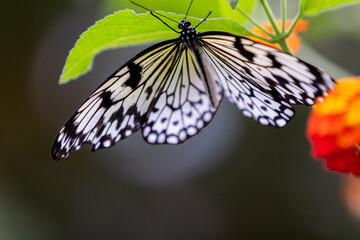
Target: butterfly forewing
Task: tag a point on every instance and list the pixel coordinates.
(273, 71)
(261, 80)
(117, 108)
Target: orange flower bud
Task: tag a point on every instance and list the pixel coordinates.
(293, 40)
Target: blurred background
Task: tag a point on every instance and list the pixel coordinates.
(235, 180)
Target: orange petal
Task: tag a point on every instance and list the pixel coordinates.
(340, 101)
(348, 137)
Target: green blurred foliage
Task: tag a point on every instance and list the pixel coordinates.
(314, 7)
(199, 8)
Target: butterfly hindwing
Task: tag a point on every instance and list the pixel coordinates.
(184, 107)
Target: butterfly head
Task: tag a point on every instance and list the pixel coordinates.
(187, 31)
(184, 24)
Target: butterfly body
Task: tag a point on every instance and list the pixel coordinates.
(172, 90)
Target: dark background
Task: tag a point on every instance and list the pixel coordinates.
(235, 180)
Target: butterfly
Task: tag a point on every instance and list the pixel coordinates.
(172, 90)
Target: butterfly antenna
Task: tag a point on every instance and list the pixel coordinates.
(203, 19)
(188, 9)
(153, 13)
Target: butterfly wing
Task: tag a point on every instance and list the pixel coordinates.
(119, 106)
(172, 91)
(187, 103)
(162, 90)
(263, 81)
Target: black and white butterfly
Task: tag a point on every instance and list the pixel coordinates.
(172, 90)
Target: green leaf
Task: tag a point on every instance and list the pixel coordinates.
(227, 10)
(126, 28)
(233, 3)
(314, 7)
(199, 8)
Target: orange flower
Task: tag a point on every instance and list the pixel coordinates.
(293, 40)
(334, 127)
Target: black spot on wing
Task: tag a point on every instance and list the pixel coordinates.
(101, 128)
(135, 75)
(106, 100)
(315, 71)
(57, 151)
(148, 92)
(248, 55)
(248, 71)
(275, 62)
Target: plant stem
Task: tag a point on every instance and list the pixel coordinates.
(270, 16)
(281, 37)
(283, 8)
(282, 41)
(278, 37)
(284, 46)
(293, 24)
(261, 38)
(357, 148)
(253, 21)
